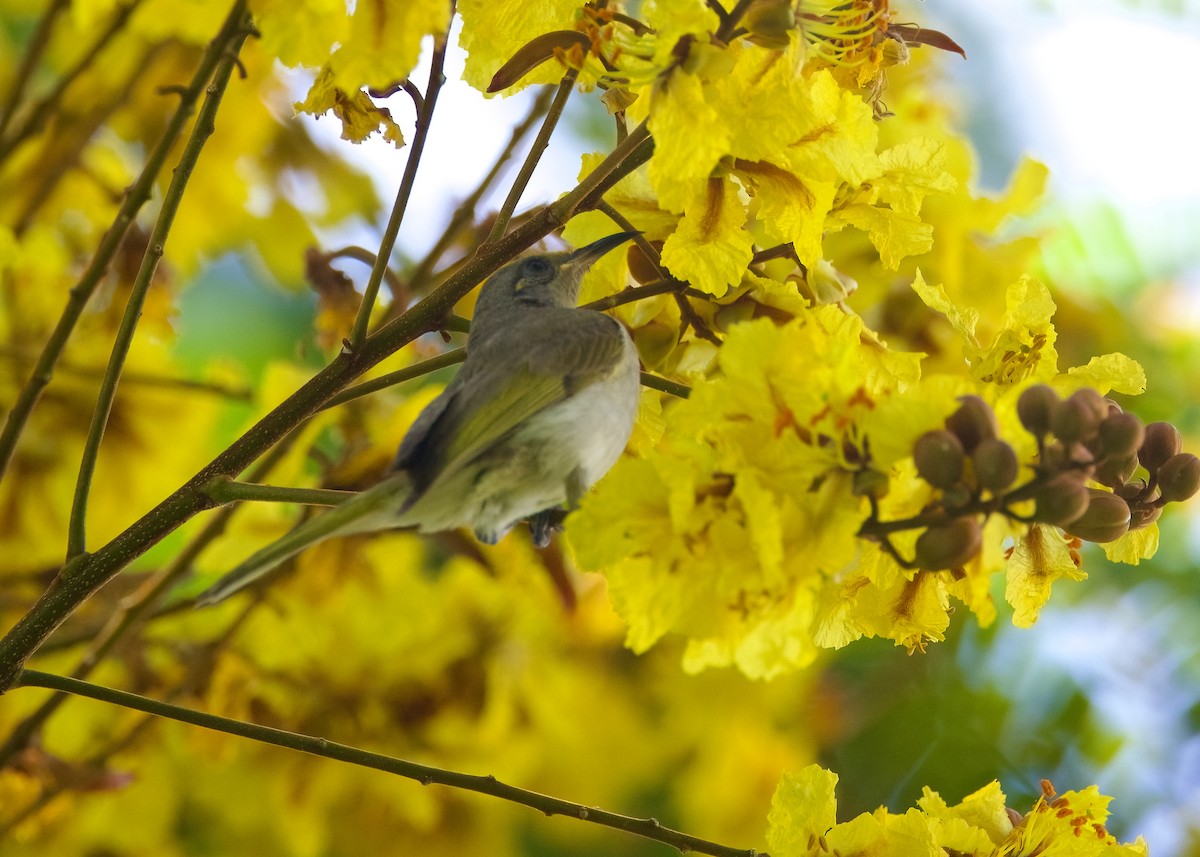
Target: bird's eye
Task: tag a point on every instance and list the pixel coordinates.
(537, 267)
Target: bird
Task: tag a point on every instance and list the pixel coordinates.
(541, 408)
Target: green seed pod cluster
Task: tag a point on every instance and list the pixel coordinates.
(972, 422)
(995, 465)
(1088, 437)
(1160, 442)
(1063, 499)
(1035, 409)
(1082, 438)
(966, 456)
(1077, 419)
(939, 458)
(1175, 474)
(1121, 434)
(1179, 477)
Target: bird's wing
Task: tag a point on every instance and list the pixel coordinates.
(419, 430)
(373, 509)
(559, 357)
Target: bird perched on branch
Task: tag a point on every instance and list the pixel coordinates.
(541, 409)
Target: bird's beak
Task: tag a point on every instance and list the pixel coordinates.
(583, 258)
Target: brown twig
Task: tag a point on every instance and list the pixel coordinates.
(425, 108)
(649, 828)
(540, 142)
(81, 292)
(37, 46)
(203, 129)
(38, 113)
(467, 208)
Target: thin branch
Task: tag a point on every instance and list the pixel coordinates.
(689, 316)
(224, 490)
(467, 208)
(780, 251)
(625, 157)
(410, 88)
(540, 142)
(37, 45)
(731, 19)
(692, 319)
(80, 578)
(387, 91)
(457, 355)
(145, 379)
(665, 286)
(424, 119)
(198, 666)
(67, 143)
(680, 291)
(649, 828)
(643, 243)
(133, 609)
(362, 254)
(718, 9)
(138, 195)
(39, 112)
(203, 129)
(654, 382)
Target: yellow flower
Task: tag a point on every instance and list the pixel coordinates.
(802, 823)
(359, 115)
(738, 530)
(844, 33)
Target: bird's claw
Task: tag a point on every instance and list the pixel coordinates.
(545, 524)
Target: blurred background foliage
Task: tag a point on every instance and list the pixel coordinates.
(442, 653)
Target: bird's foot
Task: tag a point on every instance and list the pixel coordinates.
(545, 524)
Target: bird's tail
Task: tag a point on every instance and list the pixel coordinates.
(377, 508)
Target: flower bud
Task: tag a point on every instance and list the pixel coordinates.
(655, 342)
(1107, 518)
(939, 458)
(1061, 500)
(1114, 471)
(734, 313)
(1036, 409)
(641, 267)
(1121, 434)
(1143, 516)
(1093, 401)
(1131, 490)
(769, 22)
(956, 497)
(827, 285)
(617, 98)
(972, 422)
(1078, 417)
(1162, 440)
(870, 483)
(995, 465)
(949, 545)
(1179, 477)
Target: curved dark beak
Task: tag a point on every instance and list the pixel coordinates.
(589, 253)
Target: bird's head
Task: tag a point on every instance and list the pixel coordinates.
(544, 279)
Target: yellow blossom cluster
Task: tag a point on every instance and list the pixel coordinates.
(803, 822)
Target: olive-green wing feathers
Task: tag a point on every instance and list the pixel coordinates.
(560, 353)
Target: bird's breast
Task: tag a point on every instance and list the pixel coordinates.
(588, 429)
